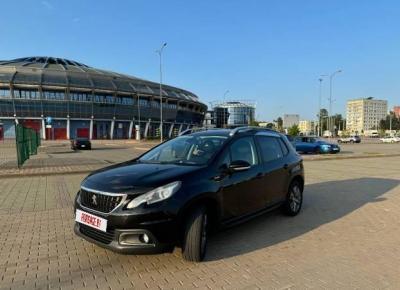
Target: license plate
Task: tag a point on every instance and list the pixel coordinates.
(335, 149)
(91, 220)
(83, 146)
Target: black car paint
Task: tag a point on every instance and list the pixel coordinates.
(226, 193)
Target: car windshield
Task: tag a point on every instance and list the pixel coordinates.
(185, 150)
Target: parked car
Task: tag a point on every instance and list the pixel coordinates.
(81, 143)
(314, 145)
(183, 189)
(389, 139)
(351, 139)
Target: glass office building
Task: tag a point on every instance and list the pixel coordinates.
(233, 114)
(64, 99)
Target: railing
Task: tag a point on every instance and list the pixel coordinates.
(27, 141)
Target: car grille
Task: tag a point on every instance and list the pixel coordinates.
(102, 237)
(100, 202)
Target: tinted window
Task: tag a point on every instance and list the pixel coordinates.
(188, 149)
(244, 149)
(285, 150)
(270, 148)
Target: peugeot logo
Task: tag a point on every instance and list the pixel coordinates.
(94, 199)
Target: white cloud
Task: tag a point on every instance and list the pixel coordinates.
(47, 5)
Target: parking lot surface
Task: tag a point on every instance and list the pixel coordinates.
(346, 237)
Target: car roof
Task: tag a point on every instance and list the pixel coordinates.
(239, 131)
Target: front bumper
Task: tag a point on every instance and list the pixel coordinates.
(124, 230)
(114, 240)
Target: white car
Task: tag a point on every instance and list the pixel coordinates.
(390, 139)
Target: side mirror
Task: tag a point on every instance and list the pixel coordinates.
(239, 165)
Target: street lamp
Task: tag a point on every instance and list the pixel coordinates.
(159, 51)
(223, 98)
(330, 97)
(321, 78)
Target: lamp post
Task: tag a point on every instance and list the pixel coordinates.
(330, 97)
(321, 78)
(159, 51)
(223, 98)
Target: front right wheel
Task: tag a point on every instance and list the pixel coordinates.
(195, 236)
(294, 199)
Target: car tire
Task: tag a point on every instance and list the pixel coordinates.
(294, 199)
(351, 141)
(195, 236)
(317, 150)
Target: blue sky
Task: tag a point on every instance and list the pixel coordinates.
(269, 51)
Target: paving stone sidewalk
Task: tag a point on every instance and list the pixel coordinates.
(346, 237)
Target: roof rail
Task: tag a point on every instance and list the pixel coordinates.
(192, 130)
(247, 129)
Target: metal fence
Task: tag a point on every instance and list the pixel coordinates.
(27, 141)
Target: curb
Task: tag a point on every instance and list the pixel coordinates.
(353, 157)
(88, 170)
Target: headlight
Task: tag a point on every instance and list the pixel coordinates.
(156, 195)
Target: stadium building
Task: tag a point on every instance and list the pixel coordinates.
(64, 99)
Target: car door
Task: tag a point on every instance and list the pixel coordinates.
(273, 156)
(301, 144)
(243, 191)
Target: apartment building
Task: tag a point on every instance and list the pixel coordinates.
(365, 114)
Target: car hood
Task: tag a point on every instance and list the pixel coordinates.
(133, 177)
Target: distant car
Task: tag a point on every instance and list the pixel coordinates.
(314, 145)
(389, 139)
(81, 143)
(351, 139)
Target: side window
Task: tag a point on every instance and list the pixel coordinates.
(284, 148)
(244, 149)
(270, 148)
(225, 159)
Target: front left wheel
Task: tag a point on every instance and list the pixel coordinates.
(195, 236)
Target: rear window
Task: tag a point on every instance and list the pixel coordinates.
(270, 148)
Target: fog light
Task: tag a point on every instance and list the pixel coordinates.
(145, 238)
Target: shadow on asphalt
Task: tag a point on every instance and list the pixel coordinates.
(323, 203)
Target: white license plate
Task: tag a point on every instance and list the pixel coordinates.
(91, 220)
(83, 146)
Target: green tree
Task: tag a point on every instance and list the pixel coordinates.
(294, 130)
(254, 123)
(324, 119)
(279, 122)
(385, 124)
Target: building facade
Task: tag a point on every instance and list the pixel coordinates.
(396, 110)
(365, 114)
(307, 127)
(233, 114)
(64, 99)
(290, 119)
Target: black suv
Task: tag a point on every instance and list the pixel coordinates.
(179, 191)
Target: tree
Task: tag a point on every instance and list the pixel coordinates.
(279, 123)
(385, 124)
(294, 130)
(270, 126)
(254, 123)
(324, 119)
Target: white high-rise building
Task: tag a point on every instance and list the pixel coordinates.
(365, 114)
(290, 119)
